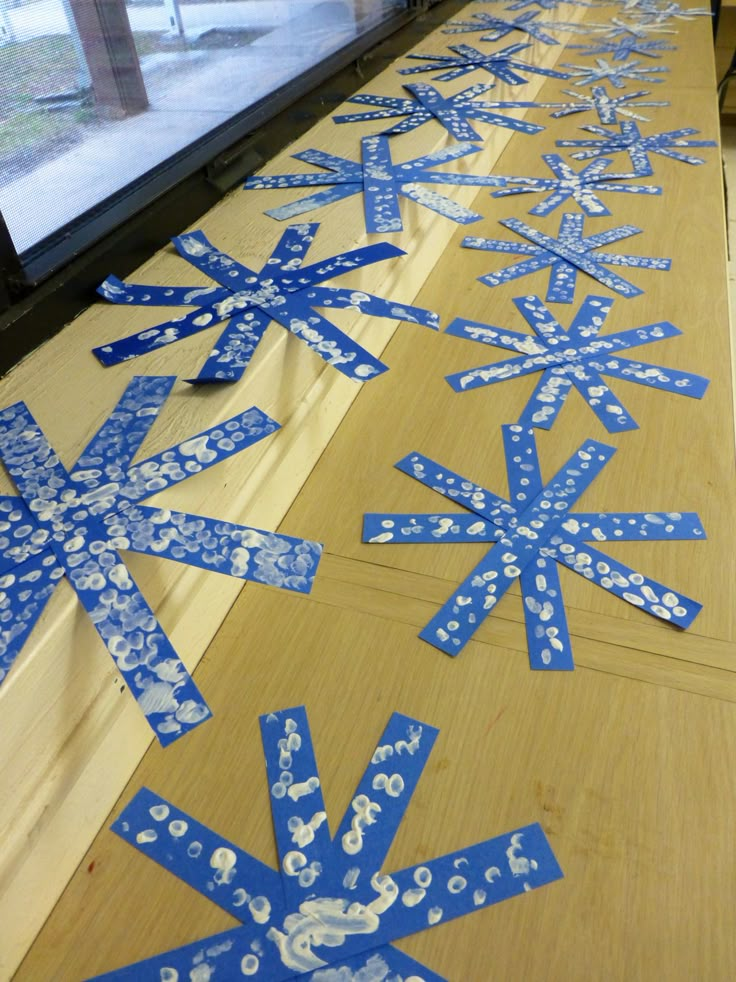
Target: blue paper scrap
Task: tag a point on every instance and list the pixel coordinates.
(565, 255)
(451, 112)
(608, 107)
(617, 75)
(499, 27)
(381, 182)
(629, 138)
(328, 904)
(622, 48)
(577, 357)
(501, 64)
(284, 291)
(532, 529)
(73, 523)
(583, 186)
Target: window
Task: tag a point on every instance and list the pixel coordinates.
(101, 96)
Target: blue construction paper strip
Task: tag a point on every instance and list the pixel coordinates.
(621, 580)
(20, 537)
(111, 450)
(345, 262)
(633, 337)
(609, 410)
(24, 592)
(313, 201)
(153, 338)
(452, 113)
(144, 656)
(548, 638)
(542, 321)
(635, 526)
(655, 376)
(365, 303)
(223, 953)
(446, 482)
(545, 621)
(470, 879)
(234, 349)
(196, 248)
(411, 527)
(299, 817)
(325, 339)
(380, 186)
(198, 453)
(236, 550)
(547, 399)
(456, 622)
(383, 963)
(498, 337)
(290, 250)
(116, 291)
(522, 465)
(499, 371)
(377, 808)
(439, 203)
(214, 867)
(347, 170)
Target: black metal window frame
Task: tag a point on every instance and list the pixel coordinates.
(45, 287)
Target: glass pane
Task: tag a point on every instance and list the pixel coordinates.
(96, 93)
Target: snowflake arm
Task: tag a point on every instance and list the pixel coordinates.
(565, 255)
(617, 75)
(529, 545)
(284, 291)
(292, 930)
(582, 186)
(72, 523)
(451, 112)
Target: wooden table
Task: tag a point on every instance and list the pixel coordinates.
(628, 762)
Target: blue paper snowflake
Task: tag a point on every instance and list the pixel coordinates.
(565, 256)
(617, 75)
(618, 28)
(577, 357)
(501, 64)
(73, 523)
(660, 13)
(629, 138)
(624, 47)
(609, 108)
(582, 186)
(328, 904)
(381, 182)
(451, 112)
(499, 27)
(284, 291)
(533, 531)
